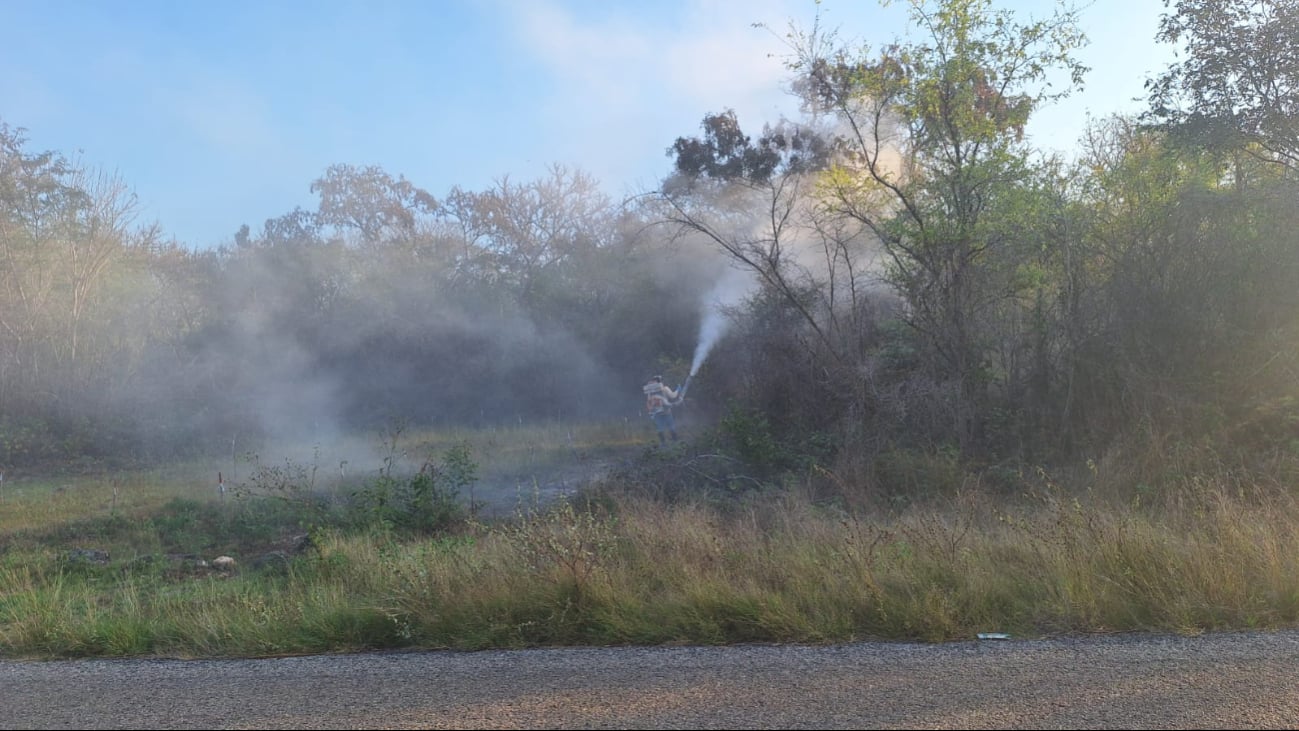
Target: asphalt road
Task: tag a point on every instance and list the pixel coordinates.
(1228, 681)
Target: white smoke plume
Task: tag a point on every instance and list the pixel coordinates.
(728, 292)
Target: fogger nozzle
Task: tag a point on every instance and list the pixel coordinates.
(681, 394)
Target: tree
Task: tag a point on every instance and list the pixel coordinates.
(531, 230)
(371, 202)
(815, 301)
(1239, 83)
(931, 157)
(33, 192)
(725, 153)
(62, 228)
(1192, 306)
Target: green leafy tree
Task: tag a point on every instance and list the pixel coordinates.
(1238, 84)
(932, 156)
(1192, 258)
(726, 153)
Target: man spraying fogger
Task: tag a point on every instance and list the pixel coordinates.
(659, 400)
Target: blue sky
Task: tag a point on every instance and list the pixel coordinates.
(219, 114)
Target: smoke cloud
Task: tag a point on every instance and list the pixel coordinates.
(729, 291)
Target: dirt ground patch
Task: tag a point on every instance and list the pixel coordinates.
(505, 495)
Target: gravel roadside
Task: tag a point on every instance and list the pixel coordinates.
(1232, 680)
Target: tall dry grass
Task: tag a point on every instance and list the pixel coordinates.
(810, 561)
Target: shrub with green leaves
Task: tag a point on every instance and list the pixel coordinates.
(425, 502)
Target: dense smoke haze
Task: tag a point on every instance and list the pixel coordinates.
(537, 302)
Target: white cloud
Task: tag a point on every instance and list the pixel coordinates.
(726, 56)
(630, 79)
(603, 60)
